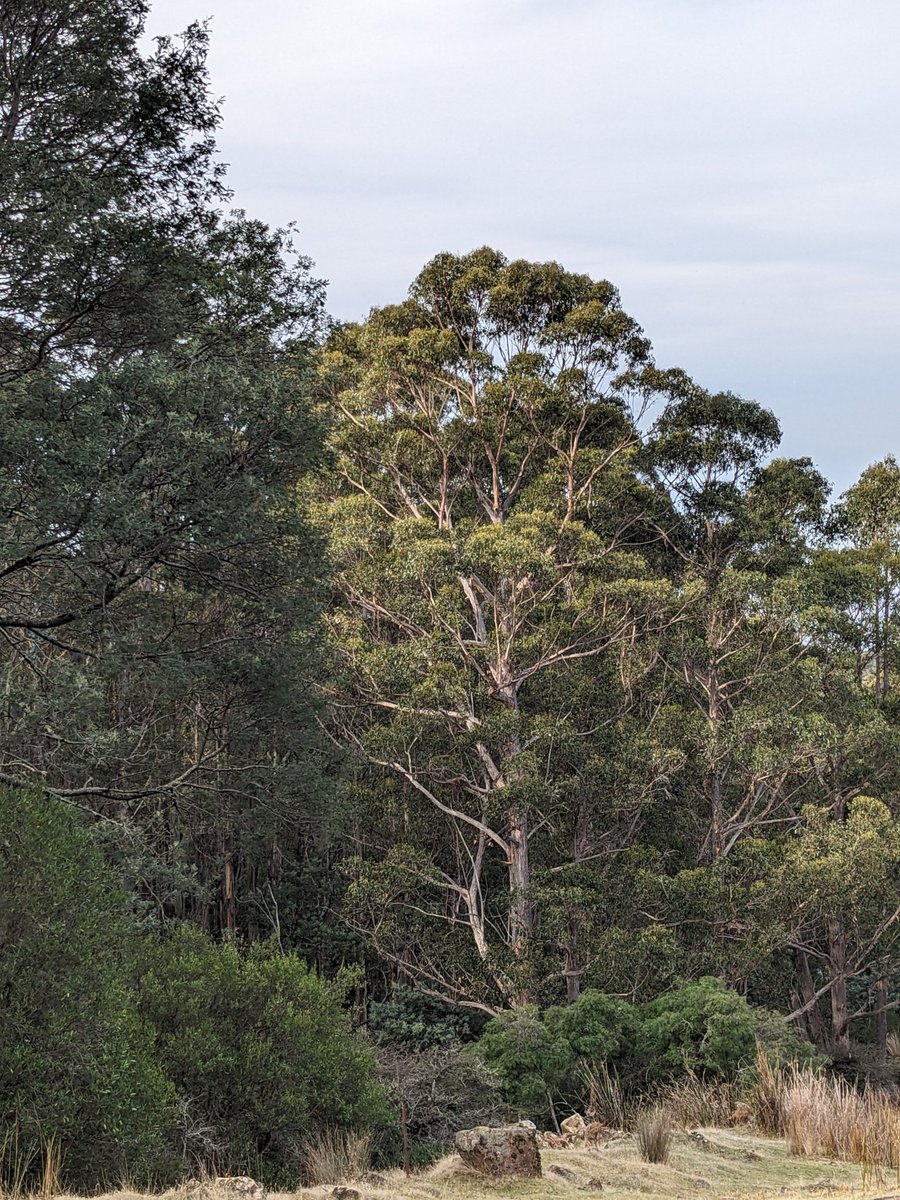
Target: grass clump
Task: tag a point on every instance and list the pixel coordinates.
(823, 1115)
(692, 1101)
(654, 1133)
(335, 1156)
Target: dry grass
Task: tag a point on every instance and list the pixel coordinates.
(607, 1101)
(692, 1101)
(828, 1117)
(21, 1167)
(654, 1134)
(335, 1156)
(733, 1164)
(765, 1097)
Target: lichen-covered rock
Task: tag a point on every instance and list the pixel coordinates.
(573, 1127)
(238, 1187)
(509, 1152)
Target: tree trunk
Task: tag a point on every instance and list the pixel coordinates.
(521, 914)
(881, 1023)
(840, 1014)
(814, 1021)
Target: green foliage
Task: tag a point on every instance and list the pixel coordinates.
(529, 1060)
(701, 1027)
(258, 1048)
(418, 1022)
(597, 1027)
(77, 1062)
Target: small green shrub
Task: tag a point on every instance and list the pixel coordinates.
(597, 1027)
(418, 1022)
(77, 1069)
(262, 1048)
(701, 1027)
(530, 1061)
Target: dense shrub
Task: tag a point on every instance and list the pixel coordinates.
(260, 1048)
(701, 1027)
(76, 1061)
(699, 1031)
(530, 1060)
(419, 1022)
(597, 1027)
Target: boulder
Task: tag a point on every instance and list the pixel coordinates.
(238, 1187)
(573, 1127)
(508, 1152)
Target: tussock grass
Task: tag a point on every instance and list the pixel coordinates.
(607, 1101)
(692, 1101)
(765, 1097)
(828, 1117)
(823, 1115)
(335, 1156)
(654, 1134)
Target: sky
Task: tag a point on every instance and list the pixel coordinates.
(733, 166)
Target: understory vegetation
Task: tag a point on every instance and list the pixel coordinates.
(447, 718)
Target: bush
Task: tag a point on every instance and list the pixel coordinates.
(597, 1027)
(262, 1049)
(445, 1088)
(530, 1061)
(77, 1069)
(418, 1022)
(700, 1027)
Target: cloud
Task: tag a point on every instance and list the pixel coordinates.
(731, 164)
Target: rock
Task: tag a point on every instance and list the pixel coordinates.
(510, 1151)
(565, 1173)
(583, 1183)
(240, 1187)
(700, 1140)
(347, 1193)
(573, 1127)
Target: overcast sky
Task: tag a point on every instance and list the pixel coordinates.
(732, 165)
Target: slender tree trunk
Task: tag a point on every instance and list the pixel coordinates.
(815, 1024)
(713, 782)
(885, 668)
(840, 1013)
(521, 916)
(881, 1023)
(573, 967)
(521, 908)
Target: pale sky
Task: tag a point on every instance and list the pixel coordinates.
(733, 166)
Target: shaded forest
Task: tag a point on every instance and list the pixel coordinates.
(387, 684)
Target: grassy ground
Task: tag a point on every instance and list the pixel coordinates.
(733, 1164)
(736, 1164)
